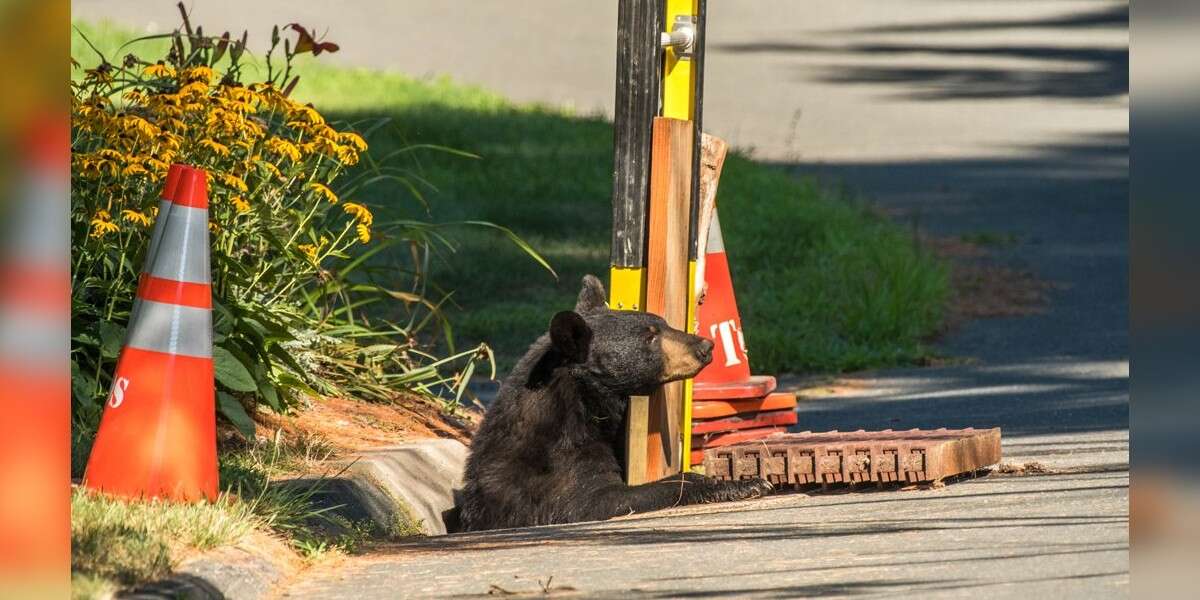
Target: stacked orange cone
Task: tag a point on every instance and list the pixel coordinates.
(157, 437)
(729, 405)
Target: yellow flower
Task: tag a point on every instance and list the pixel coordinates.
(176, 125)
(364, 233)
(283, 147)
(237, 93)
(305, 113)
(215, 146)
(353, 139)
(159, 70)
(133, 123)
(133, 216)
(359, 212)
(102, 224)
(321, 190)
(133, 169)
(213, 227)
(347, 156)
(156, 166)
(134, 97)
(240, 204)
(198, 73)
(234, 182)
(309, 250)
(274, 170)
(195, 87)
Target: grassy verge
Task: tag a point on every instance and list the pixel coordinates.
(117, 543)
(824, 284)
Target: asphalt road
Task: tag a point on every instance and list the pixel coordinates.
(1006, 119)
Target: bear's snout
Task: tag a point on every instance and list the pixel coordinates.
(684, 355)
(703, 351)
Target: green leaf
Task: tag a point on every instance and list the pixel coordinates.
(516, 240)
(82, 385)
(111, 337)
(231, 372)
(236, 414)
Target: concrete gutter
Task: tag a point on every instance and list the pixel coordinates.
(407, 489)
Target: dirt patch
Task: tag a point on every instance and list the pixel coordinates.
(354, 425)
(982, 289)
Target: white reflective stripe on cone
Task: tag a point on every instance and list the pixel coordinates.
(182, 253)
(32, 338)
(164, 210)
(716, 243)
(172, 329)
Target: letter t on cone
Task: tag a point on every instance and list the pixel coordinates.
(157, 437)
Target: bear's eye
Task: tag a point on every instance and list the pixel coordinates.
(651, 333)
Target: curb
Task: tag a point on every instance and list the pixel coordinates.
(243, 572)
(408, 489)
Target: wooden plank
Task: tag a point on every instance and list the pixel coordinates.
(712, 160)
(636, 435)
(638, 83)
(667, 278)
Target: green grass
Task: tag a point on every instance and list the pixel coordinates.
(126, 543)
(824, 285)
(118, 543)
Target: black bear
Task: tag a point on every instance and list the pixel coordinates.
(549, 449)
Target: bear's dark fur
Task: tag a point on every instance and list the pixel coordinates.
(549, 449)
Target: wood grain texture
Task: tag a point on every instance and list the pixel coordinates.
(712, 160)
(636, 435)
(667, 278)
(638, 85)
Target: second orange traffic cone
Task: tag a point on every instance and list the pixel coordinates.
(157, 437)
(728, 375)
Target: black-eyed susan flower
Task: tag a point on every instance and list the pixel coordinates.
(308, 250)
(323, 191)
(233, 181)
(354, 140)
(159, 70)
(360, 213)
(135, 217)
(284, 148)
(102, 224)
(215, 146)
(240, 204)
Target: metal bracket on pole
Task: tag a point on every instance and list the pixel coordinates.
(682, 37)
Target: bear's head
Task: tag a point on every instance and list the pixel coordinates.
(630, 353)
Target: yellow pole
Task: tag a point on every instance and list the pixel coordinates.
(679, 102)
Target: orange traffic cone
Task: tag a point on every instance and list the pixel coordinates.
(157, 437)
(35, 292)
(730, 405)
(728, 375)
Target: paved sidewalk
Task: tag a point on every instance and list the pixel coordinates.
(1051, 536)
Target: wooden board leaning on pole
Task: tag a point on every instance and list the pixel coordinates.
(667, 280)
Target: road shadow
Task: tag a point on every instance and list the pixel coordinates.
(1039, 71)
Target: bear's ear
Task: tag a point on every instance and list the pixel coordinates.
(570, 336)
(591, 297)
